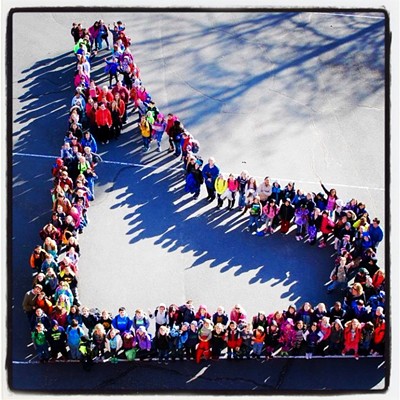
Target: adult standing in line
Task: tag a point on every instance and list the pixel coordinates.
(210, 174)
(29, 302)
(264, 190)
(375, 233)
(286, 214)
(194, 180)
(104, 122)
(102, 34)
(331, 200)
(124, 96)
(176, 132)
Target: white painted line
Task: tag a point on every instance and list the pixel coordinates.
(144, 166)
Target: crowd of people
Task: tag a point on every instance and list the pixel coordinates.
(62, 330)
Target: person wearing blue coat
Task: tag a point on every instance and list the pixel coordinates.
(210, 174)
(122, 322)
(89, 140)
(375, 233)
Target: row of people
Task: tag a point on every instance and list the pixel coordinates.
(181, 333)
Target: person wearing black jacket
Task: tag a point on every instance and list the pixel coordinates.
(286, 214)
(57, 339)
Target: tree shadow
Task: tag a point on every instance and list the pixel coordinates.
(167, 215)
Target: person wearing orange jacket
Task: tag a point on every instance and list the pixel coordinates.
(104, 122)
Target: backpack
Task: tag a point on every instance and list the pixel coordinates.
(74, 336)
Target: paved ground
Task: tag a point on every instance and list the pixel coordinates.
(294, 96)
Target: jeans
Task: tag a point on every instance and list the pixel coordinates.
(146, 142)
(253, 219)
(178, 148)
(336, 285)
(159, 135)
(43, 351)
(300, 230)
(257, 348)
(242, 200)
(74, 351)
(163, 355)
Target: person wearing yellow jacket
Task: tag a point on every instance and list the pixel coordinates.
(145, 130)
(221, 185)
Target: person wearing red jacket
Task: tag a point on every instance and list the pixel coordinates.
(326, 228)
(121, 95)
(352, 336)
(204, 335)
(105, 95)
(234, 340)
(104, 122)
(171, 118)
(378, 338)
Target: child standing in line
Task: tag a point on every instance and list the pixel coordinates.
(255, 213)
(270, 211)
(352, 336)
(242, 180)
(162, 344)
(234, 340)
(218, 341)
(330, 201)
(159, 126)
(258, 341)
(40, 342)
(272, 335)
(220, 185)
(313, 337)
(247, 336)
(233, 186)
(146, 132)
(301, 218)
(326, 228)
(204, 335)
(74, 334)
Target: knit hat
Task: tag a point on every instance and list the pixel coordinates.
(290, 321)
(186, 324)
(54, 323)
(193, 323)
(347, 225)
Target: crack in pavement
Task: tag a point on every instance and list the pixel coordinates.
(254, 384)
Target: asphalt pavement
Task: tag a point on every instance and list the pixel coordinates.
(296, 96)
